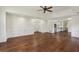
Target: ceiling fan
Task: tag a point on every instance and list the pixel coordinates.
(46, 8)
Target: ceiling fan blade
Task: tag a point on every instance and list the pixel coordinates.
(50, 10)
(50, 7)
(41, 6)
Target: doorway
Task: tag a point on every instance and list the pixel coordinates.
(55, 28)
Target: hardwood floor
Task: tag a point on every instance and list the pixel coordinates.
(41, 42)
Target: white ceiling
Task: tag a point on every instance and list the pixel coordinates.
(32, 11)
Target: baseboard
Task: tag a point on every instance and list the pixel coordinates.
(20, 36)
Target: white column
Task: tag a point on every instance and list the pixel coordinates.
(75, 26)
(2, 25)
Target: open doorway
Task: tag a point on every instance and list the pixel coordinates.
(55, 28)
(61, 26)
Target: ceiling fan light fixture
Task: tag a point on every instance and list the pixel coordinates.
(47, 8)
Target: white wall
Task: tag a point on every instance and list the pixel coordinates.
(18, 25)
(39, 25)
(2, 25)
(75, 26)
(69, 25)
